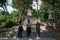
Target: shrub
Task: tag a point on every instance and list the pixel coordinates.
(7, 24)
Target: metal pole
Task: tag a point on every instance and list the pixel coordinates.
(37, 7)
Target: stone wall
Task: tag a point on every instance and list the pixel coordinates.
(54, 30)
(8, 32)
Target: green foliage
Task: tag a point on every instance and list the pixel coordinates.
(45, 9)
(7, 24)
(14, 16)
(22, 3)
(4, 13)
(42, 14)
(2, 18)
(14, 19)
(34, 13)
(9, 20)
(57, 15)
(50, 5)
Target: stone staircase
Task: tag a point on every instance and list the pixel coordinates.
(33, 33)
(44, 35)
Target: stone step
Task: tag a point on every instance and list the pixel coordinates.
(33, 34)
(29, 38)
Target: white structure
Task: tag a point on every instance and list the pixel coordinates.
(34, 5)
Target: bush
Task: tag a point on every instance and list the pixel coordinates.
(9, 20)
(7, 24)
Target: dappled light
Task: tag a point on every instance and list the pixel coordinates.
(29, 20)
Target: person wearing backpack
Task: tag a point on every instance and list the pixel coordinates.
(38, 28)
(28, 28)
(20, 29)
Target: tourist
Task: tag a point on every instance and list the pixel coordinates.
(38, 28)
(20, 29)
(28, 28)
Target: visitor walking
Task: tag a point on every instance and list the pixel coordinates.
(28, 28)
(20, 29)
(38, 28)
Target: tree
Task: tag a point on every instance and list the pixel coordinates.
(22, 5)
(4, 6)
(10, 20)
(53, 9)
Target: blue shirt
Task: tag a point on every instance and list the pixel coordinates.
(20, 24)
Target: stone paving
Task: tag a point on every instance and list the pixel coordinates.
(28, 38)
(44, 35)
